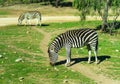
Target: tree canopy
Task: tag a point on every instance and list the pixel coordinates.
(100, 6)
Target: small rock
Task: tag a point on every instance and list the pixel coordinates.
(65, 81)
(73, 70)
(2, 77)
(19, 60)
(8, 46)
(2, 62)
(100, 48)
(6, 58)
(21, 78)
(27, 32)
(12, 74)
(66, 76)
(81, 48)
(29, 47)
(1, 56)
(117, 50)
(56, 69)
(15, 52)
(48, 69)
(4, 53)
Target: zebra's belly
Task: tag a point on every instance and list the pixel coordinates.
(77, 42)
(77, 45)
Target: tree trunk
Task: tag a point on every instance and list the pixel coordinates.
(56, 3)
(105, 16)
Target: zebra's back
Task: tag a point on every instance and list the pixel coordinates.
(76, 38)
(81, 37)
(32, 15)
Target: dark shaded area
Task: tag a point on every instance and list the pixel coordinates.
(110, 27)
(61, 3)
(115, 25)
(55, 3)
(45, 25)
(77, 60)
(35, 25)
(66, 4)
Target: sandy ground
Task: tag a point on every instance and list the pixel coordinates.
(48, 19)
(45, 19)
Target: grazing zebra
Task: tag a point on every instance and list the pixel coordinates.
(27, 16)
(73, 39)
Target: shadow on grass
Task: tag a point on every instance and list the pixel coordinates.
(42, 25)
(77, 60)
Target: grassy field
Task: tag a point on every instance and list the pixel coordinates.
(23, 42)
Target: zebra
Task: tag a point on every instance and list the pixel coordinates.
(27, 16)
(74, 39)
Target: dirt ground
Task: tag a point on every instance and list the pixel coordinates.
(48, 19)
(86, 71)
(45, 19)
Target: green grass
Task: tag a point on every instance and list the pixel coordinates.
(24, 42)
(109, 46)
(2, 12)
(70, 25)
(34, 67)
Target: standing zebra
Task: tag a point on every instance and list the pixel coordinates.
(27, 16)
(73, 39)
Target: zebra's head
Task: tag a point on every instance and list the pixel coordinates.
(19, 22)
(20, 19)
(52, 55)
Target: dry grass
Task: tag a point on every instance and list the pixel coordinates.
(46, 10)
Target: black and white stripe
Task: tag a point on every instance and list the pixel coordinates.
(30, 15)
(76, 39)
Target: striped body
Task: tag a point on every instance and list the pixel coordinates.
(75, 39)
(27, 16)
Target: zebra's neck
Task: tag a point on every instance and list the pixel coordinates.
(58, 43)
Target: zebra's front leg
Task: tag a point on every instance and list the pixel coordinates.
(68, 54)
(89, 58)
(26, 22)
(89, 53)
(39, 22)
(96, 59)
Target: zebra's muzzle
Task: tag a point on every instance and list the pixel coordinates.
(52, 64)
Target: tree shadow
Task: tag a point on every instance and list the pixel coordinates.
(77, 60)
(45, 25)
(66, 4)
(115, 25)
(34, 25)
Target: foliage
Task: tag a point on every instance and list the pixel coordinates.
(101, 6)
(11, 2)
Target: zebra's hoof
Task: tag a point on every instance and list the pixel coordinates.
(67, 64)
(89, 62)
(97, 62)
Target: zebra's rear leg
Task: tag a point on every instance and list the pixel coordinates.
(38, 23)
(94, 48)
(89, 53)
(96, 59)
(68, 55)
